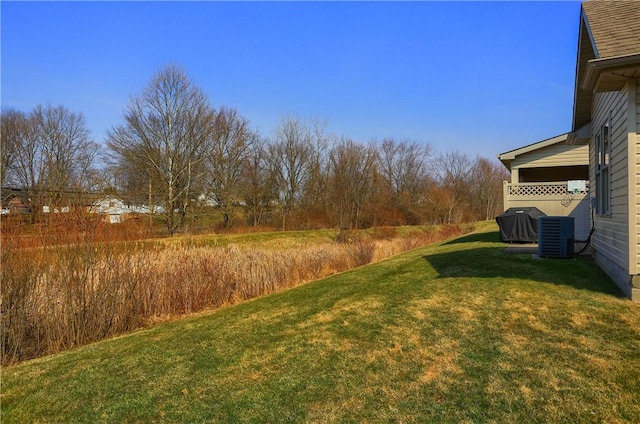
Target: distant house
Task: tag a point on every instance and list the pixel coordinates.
(116, 210)
(551, 175)
(16, 206)
(14, 201)
(56, 209)
(606, 116)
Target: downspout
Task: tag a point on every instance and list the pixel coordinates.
(632, 186)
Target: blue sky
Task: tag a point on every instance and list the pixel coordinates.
(480, 77)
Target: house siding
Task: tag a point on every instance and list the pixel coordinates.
(551, 156)
(609, 89)
(611, 237)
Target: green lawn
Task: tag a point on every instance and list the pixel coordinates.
(453, 332)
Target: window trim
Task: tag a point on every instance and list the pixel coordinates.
(603, 169)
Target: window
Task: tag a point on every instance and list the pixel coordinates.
(603, 180)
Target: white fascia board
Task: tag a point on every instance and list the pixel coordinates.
(511, 155)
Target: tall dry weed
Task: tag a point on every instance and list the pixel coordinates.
(58, 298)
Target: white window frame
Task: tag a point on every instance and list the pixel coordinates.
(603, 170)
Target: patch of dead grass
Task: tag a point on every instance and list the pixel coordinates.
(581, 319)
(441, 364)
(347, 309)
(423, 308)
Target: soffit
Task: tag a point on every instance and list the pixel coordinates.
(613, 78)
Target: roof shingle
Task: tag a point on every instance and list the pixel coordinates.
(615, 26)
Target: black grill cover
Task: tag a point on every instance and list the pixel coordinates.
(519, 225)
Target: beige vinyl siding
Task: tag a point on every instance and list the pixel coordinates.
(560, 154)
(610, 238)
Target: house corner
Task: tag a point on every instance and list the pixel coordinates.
(635, 288)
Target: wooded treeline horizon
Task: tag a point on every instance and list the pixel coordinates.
(201, 166)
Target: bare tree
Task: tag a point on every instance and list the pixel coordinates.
(29, 169)
(315, 191)
(226, 153)
(403, 168)
(258, 184)
(54, 156)
(454, 171)
(165, 131)
(13, 128)
(351, 181)
(290, 157)
(486, 187)
(62, 136)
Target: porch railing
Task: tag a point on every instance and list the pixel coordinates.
(540, 189)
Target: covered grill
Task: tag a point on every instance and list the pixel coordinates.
(519, 225)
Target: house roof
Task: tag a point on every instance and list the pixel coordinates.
(608, 52)
(507, 157)
(9, 193)
(614, 26)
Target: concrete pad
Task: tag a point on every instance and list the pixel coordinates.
(531, 248)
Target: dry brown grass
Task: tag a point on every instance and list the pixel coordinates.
(58, 298)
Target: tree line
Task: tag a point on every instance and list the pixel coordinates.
(194, 163)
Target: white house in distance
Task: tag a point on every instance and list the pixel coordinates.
(116, 210)
(606, 116)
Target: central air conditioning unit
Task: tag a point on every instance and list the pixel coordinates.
(555, 236)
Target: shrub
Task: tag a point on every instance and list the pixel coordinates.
(385, 233)
(362, 252)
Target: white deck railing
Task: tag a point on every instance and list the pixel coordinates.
(520, 190)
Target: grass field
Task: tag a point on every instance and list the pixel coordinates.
(457, 331)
